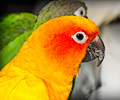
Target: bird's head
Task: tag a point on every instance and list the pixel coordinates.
(64, 40)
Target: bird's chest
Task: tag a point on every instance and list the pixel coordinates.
(59, 92)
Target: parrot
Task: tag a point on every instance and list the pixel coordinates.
(49, 59)
(53, 9)
(58, 8)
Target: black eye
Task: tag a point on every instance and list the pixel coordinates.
(79, 36)
(81, 13)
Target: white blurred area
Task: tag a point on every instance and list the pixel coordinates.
(103, 13)
(110, 71)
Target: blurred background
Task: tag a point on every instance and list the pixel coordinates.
(106, 14)
(12, 6)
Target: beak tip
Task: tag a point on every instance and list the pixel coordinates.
(99, 62)
(100, 59)
(95, 50)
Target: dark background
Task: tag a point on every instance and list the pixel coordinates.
(14, 6)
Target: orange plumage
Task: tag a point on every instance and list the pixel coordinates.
(47, 62)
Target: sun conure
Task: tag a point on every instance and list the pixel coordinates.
(23, 23)
(48, 61)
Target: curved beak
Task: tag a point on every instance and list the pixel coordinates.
(96, 49)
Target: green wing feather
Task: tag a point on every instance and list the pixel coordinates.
(14, 30)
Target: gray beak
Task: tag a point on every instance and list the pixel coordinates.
(96, 49)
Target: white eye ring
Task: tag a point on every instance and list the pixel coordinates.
(80, 12)
(80, 37)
